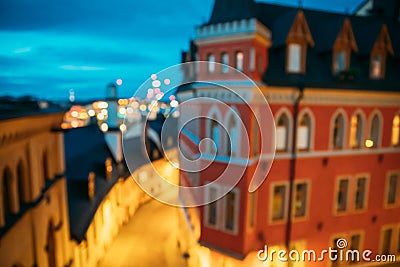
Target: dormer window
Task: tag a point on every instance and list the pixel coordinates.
(379, 51)
(239, 61)
(345, 43)
(376, 67)
(340, 61)
(298, 39)
(294, 55)
(225, 62)
(211, 65)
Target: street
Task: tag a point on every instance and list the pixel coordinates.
(150, 238)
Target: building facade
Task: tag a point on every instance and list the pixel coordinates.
(332, 84)
(33, 204)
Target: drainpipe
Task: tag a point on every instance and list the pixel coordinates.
(292, 170)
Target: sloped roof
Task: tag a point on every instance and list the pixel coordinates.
(229, 10)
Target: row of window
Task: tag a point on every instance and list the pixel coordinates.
(239, 59)
(13, 188)
(351, 194)
(357, 137)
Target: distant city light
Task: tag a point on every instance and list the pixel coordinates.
(143, 107)
(156, 83)
(369, 143)
(100, 116)
(119, 82)
(122, 127)
(104, 112)
(122, 111)
(74, 124)
(100, 104)
(172, 97)
(74, 114)
(71, 95)
(129, 110)
(91, 112)
(174, 103)
(153, 76)
(167, 81)
(104, 127)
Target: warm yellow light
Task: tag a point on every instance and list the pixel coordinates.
(123, 102)
(74, 114)
(174, 103)
(122, 127)
(101, 104)
(64, 125)
(104, 127)
(74, 124)
(129, 110)
(91, 112)
(104, 111)
(122, 111)
(143, 107)
(100, 116)
(369, 143)
(135, 104)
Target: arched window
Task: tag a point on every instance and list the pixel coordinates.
(338, 132)
(304, 132)
(396, 131)
(7, 189)
(356, 131)
(239, 61)
(282, 133)
(21, 183)
(225, 62)
(214, 134)
(232, 138)
(375, 130)
(211, 64)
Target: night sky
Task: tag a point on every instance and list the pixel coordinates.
(48, 47)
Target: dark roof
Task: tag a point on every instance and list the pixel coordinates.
(85, 151)
(324, 27)
(15, 107)
(229, 10)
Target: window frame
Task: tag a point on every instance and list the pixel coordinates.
(307, 200)
(285, 203)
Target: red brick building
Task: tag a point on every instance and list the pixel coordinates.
(332, 82)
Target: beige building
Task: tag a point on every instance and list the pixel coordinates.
(34, 226)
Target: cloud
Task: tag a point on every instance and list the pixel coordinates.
(81, 68)
(22, 50)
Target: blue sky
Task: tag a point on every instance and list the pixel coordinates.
(48, 47)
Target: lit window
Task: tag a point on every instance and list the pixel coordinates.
(282, 133)
(338, 132)
(225, 62)
(231, 203)
(386, 241)
(279, 202)
(232, 140)
(356, 131)
(339, 63)
(396, 131)
(212, 208)
(215, 134)
(342, 194)
(300, 200)
(392, 189)
(252, 59)
(304, 133)
(294, 58)
(252, 200)
(376, 67)
(239, 61)
(211, 64)
(361, 191)
(375, 130)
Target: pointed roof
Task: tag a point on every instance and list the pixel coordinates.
(230, 10)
